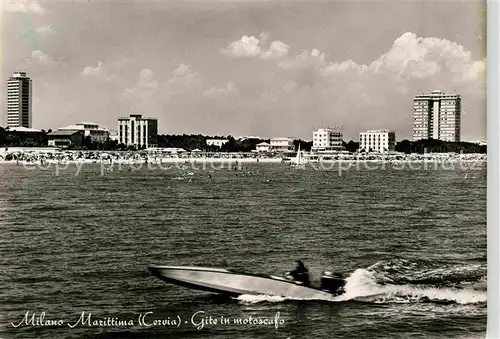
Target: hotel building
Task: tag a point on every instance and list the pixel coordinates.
(379, 141)
(138, 131)
(437, 116)
(19, 100)
(327, 140)
(65, 138)
(96, 133)
(281, 145)
(262, 147)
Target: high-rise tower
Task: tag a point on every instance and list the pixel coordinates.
(19, 100)
(437, 116)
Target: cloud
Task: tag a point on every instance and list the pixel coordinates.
(264, 37)
(378, 94)
(151, 95)
(183, 79)
(277, 50)
(250, 46)
(306, 59)
(97, 72)
(229, 89)
(23, 6)
(417, 58)
(247, 46)
(45, 31)
(475, 70)
(410, 58)
(146, 80)
(145, 86)
(40, 58)
(344, 66)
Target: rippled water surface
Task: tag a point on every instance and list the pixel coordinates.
(413, 243)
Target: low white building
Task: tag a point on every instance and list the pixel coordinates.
(97, 133)
(327, 140)
(380, 141)
(65, 138)
(216, 142)
(138, 131)
(113, 136)
(23, 129)
(246, 137)
(281, 145)
(262, 147)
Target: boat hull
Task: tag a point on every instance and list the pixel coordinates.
(234, 283)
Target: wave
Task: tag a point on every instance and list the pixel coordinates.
(400, 272)
(362, 285)
(403, 281)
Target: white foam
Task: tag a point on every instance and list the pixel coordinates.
(407, 293)
(253, 299)
(362, 285)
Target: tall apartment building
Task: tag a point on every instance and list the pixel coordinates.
(138, 131)
(19, 100)
(379, 141)
(327, 139)
(437, 115)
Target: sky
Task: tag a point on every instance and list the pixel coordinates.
(261, 68)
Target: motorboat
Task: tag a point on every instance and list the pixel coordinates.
(235, 283)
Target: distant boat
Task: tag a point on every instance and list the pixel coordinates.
(298, 161)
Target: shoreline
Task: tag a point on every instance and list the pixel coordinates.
(42, 158)
(234, 161)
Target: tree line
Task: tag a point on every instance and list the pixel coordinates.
(198, 141)
(427, 146)
(438, 146)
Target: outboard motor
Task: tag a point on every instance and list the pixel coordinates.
(332, 282)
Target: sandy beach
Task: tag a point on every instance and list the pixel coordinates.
(45, 157)
(61, 161)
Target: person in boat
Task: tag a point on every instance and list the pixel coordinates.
(300, 273)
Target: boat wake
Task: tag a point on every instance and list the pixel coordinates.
(402, 281)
